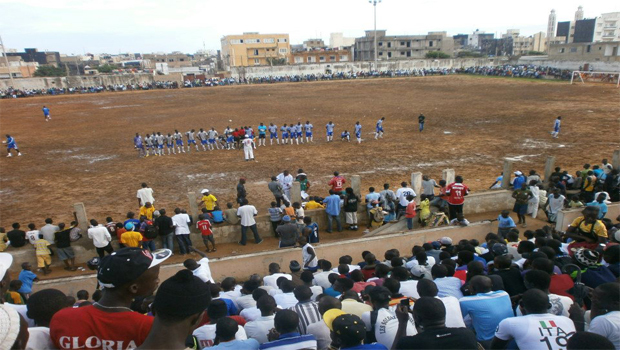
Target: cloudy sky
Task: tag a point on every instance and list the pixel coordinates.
(113, 26)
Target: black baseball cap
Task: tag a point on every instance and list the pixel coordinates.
(349, 327)
(127, 264)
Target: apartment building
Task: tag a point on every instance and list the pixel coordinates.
(254, 49)
(398, 47)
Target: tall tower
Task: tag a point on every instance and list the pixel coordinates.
(579, 14)
(551, 28)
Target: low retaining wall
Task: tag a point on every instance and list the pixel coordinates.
(242, 266)
(566, 217)
(77, 81)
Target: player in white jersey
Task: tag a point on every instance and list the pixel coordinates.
(284, 129)
(308, 128)
(170, 144)
(330, 131)
(300, 134)
(149, 144)
(345, 135)
(179, 141)
(191, 140)
(556, 127)
(273, 133)
(248, 146)
(358, 132)
(202, 136)
(212, 135)
(379, 128)
(161, 139)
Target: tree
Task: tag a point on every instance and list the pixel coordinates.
(535, 53)
(463, 54)
(106, 68)
(276, 61)
(49, 71)
(437, 54)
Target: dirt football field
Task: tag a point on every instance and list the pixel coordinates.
(85, 153)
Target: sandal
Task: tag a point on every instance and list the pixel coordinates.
(214, 250)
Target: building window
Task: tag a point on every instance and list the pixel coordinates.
(573, 49)
(255, 52)
(430, 43)
(252, 41)
(389, 54)
(402, 43)
(299, 59)
(282, 40)
(380, 43)
(269, 41)
(181, 59)
(588, 48)
(402, 53)
(283, 50)
(562, 50)
(332, 58)
(389, 44)
(380, 53)
(408, 53)
(256, 61)
(310, 59)
(235, 41)
(171, 60)
(344, 58)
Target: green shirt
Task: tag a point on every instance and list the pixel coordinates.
(522, 196)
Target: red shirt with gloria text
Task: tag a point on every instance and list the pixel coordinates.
(456, 193)
(90, 328)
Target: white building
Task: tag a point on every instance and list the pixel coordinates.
(551, 27)
(607, 27)
(337, 40)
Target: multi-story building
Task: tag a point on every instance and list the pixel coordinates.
(608, 51)
(322, 56)
(33, 55)
(174, 60)
(522, 45)
(254, 49)
(401, 46)
(312, 44)
(551, 27)
(338, 40)
(607, 27)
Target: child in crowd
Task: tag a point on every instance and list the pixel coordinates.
(299, 215)
(288, 210)
(275, 216)
(76, 232)
(120, 229)
(12, 295)
(505, 223)
(377, 214)
(204, 226)
(575, 202)
(218, 215)
(410, 212)
(311, 230)
(44, 256)
(314, 204)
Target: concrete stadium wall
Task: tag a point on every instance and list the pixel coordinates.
(566, 217)
(242, 266)
(77, 81)
(321, 68)
(597, 66)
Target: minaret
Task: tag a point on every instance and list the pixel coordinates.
(551, 28)
(579, 14)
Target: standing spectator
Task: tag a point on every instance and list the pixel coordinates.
(147, 210)
(275, 217)
(285, 335)
(230, 214)
(370, 199)
(600, 203)
(486, 308)
(286, 182)
(131, 220)
(309, 259)
(131, 238)
(522, 196)
(428, 188)
(589, 185)
(17, 237)
(388, 201)
(332, 209)
(63, 247)
(101, 238)
(241, 193)
(351, 202)
(277, 190)
(519, 180)
(111, 226)
(27, 277)
(165, 228)
(208, 200)
(181, 223)
(455, 193)
(337, 183)
(205, 230)
(247, 213)
(287, 232)
(410, 212)
(534, 202)
(401, 195)
(505, 224)
(44, 258)
(555, 203)
(49, 230)
(145, 194)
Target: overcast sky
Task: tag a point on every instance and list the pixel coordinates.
(113, 26)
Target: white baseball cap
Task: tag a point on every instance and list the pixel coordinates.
(518, 173)
(9, 326)
(204, 191)
(247, 136)
(6, 260)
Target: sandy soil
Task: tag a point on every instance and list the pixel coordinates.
(85, 154)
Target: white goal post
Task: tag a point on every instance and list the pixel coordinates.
(597, 77)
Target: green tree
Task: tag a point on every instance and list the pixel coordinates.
(437, 54)
(535, 53)
(276, 61)
(106, 68)
(49, 71)
(463, 54)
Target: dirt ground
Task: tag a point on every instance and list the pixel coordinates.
(85, 154)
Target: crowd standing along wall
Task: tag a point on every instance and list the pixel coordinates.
(77, 81)
(596, 66)
(242, 266)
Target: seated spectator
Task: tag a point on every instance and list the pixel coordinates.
(381, 273)
(253, 313)
(218, 215)
(454, 318)
(423, 268)
(274, 274)
(447, 286)
(286, 335)
(358, 281)
(605, 313)
(485, 308)
(321, 278)
(230, 214)
(286, 299)
(14, 333)
(612, 258)
(287, 232)
(475, 268)
(205, 335)
(226, 330)
(17, 237)
(308, 278)
(511, 276)
(261, 326)
(408, 287)
(349, 331)
(13, 296)
(588, 340)
(527, 330)
(464, 258)
(42, 306)
(331, 291)
(352, 304)
(430, 314)
(558, 304)
(179, 305)
(385, 327)
(129, 273)
(246, 300)
(306, 309)
(587, 231)
(459, 220)
(593, 274)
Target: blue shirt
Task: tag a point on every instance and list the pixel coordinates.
(273, 129)
(519, 180)
(249, 344)
(448, 287)
(27, 277)
(556, 125)
(262, 129)
(309, 127)
(217, 216)
(331, 292)
(505, 222)
(46, 111)
(231, 309)
(10, 141)
(135, 222)
(137, 141)
(486, 310)
(602, 208)
(373, 346)
(370, 198)
(291, 341)
(332, 205)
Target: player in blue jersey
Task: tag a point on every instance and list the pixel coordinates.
(191, 140)
(330, 131)
(46, 114)
(358, 132)
(273, 134)
(10, 144)
(160, 139)
(284, 129)
(202, 136)
(308, 128)
(179, 141)
(300, 134)
(345, 135)
(212, 136)
(556, 127)
(292, 133)
(170, 144)
(379, 128)
(262, 134)
(230, 141)
(138, 144)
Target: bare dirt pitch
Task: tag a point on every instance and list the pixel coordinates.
(85, 154)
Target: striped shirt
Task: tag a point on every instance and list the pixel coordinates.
(308, 312)
(291, 341)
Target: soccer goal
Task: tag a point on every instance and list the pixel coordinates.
(596, 77)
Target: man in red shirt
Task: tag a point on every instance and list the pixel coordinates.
(110, 323)
(455, 193)
(337, 183)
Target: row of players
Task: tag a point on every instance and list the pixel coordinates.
(153, 144)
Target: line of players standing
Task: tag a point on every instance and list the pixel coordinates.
(156, 144)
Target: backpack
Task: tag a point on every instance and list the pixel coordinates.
(378, 215)
(151, 231)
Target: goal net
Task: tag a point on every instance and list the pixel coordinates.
(596, 77)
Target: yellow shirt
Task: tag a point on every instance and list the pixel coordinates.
(148, 212)
(313, 205)
(40, 246)
(591, 181)
(209, 201)
(599, 228)
(131, 239)
(3, 241)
